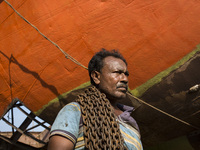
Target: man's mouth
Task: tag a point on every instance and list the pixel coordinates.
(122, 87)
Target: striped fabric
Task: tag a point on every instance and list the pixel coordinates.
(131, 136)
(68, 124)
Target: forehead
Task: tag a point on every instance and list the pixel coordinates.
(114, 63)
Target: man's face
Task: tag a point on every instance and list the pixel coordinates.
(113, 78)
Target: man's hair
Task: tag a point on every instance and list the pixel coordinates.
(96, 63)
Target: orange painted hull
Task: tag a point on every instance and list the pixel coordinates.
(152, 36)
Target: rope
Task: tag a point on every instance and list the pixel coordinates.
(184, 122)
(66, 55)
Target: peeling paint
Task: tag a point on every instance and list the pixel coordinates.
(140, 90)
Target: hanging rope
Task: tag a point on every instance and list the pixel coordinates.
(164, 112)
(66, 55)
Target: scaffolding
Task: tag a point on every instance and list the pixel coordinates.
(24, 129)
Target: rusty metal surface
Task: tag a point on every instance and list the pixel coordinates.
(172, 96)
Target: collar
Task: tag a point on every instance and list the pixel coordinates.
(126, 115)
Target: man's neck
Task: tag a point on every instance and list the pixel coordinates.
(116, 110)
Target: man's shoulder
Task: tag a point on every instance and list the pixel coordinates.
(73, 105)
(72, 96)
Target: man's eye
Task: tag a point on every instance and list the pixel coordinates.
(118, 72)
(126, 73)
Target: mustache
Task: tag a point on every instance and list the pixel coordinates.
(122, 86)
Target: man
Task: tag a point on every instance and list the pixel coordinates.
(96, 120)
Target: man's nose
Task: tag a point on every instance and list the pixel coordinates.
(124, 78)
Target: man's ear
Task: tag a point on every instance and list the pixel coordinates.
(96, 77)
